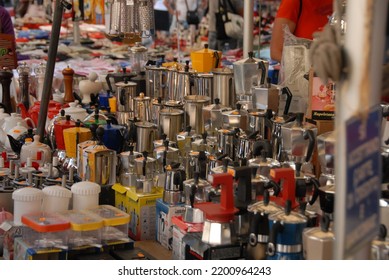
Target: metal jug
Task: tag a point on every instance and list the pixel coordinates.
(203, 84)
(145, 135)
(326, 153)
(259, 120)
(156, 107)
(286, 235)
(179, 83)
(173, 192)
(298, 139)
(318, 242)
(266, 96)
(126, 92)
(259, 226)
(142, 107)
(223, 86)
(237, 118)
(248, 73)
(165, 155)
(171, 122)
(213, 115)
(194, 111)
(156, 81)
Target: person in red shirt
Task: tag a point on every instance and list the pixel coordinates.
(303, 17)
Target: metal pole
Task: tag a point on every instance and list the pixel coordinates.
(51, 57)
(355, 97)
(248, 16)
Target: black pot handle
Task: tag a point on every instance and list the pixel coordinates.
(289, 96)
(308, 134)
(316, 185)
(275, 230)
(325, 223)
(273, 185)
(256, 220)
(261, 65)
(108, 80)
(122, 99)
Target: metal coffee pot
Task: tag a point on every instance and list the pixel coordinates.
(156, 81)
(286, 235)
(219, 226)
(165, 155)
(267, 96)
(156, 107)
(142, 107)
(380, 245)
(125, 107)
(298, 139)
(213, 115)
(203, 84)
(171, 122)
(179, 83)
(145, 165)
(223, 86)
(237, 118)
(128, 175)
(318, 242)
(249, 72)
(326, 155)
(194, 111)
(259, 226)
(173, 192)
(146, 133)
(260, 120)
(227, 142)
(196, 191)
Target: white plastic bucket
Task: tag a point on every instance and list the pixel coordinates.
(56, 199)
(85, 195)
(26, 200)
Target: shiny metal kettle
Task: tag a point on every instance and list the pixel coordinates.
(194, 111)
(223, 86)
(173, 192)
(213, 115)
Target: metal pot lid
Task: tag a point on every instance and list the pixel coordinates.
(203, 75)
(125, 84)
(145, 124)
(162, 149)
(142, 97)
(262, 207)
(222, 71)
(248, 60)
(269, 162)
(319, 235)
(141, 159)
(216, 107)
(128, 153)
(328, 188)
(174, 104)
(157, 102)
(171, 112)
(197, 99)
(259, 113)
(201, 183)
(289, 218)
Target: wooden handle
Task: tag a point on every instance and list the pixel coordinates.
(68, 74)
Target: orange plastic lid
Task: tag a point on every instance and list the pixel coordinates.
(45, 222)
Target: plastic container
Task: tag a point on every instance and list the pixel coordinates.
(85, 229)
(26, 200)
(45, 231)
(85, 195)
(56, 199)
(115, 223)
(206, 59)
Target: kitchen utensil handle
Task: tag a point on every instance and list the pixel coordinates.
(316, 185)
(273, 185)
(308, 134)
(275, 230)
(256, 220)
(262, 66)
(325, 223)
(289, 96)
(108, 80)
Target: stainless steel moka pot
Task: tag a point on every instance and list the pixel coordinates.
(156, 81)
(223, 86)
(213, 115)
(248, 73)
(125, 107)
(194, 111)
(173, 193)
(266, 96)
(171, 122)
(219, 226)
(326, 155)
(146, 133)
(142, 108)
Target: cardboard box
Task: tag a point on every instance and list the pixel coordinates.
(321, 99)
(180, 229)
(164, 225)
(141, 208)
(22, 251)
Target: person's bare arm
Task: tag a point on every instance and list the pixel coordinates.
(277, 37)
